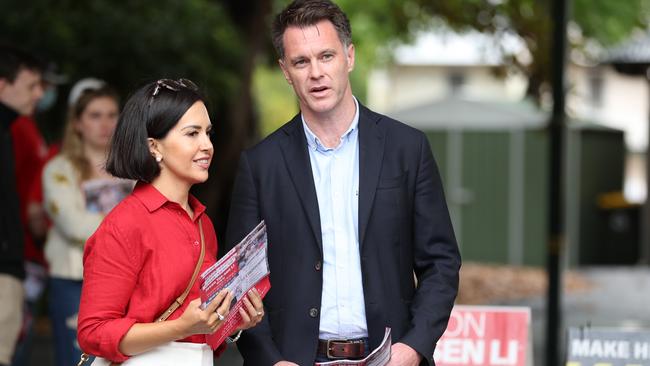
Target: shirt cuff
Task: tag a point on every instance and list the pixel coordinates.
(113, 332)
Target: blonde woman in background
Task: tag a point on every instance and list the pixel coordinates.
(73, 183)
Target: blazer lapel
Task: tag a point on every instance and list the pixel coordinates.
(296, 156)
(371, 153)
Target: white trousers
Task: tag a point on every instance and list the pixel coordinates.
(170, 354)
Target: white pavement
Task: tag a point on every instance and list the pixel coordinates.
(618, 297)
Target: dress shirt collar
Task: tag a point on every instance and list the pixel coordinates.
(314, 142)
(153, 199)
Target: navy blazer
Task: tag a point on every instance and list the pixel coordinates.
(404, 229)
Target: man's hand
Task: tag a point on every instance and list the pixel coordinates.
(403, 355)
(286, 363)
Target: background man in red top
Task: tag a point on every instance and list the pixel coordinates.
(20, 90)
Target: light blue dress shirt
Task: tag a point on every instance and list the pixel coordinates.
(336, 177)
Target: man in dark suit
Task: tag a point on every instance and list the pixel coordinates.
(359, 233)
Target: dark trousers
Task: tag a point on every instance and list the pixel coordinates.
(64, 305)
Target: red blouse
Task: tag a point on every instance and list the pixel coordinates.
(139, 260)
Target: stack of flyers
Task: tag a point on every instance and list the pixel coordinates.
(245, 266)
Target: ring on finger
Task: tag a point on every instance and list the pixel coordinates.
(219, 316)
(259, 313)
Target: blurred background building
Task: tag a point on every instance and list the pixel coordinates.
(490, 143)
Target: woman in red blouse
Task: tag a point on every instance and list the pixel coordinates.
(143, 255)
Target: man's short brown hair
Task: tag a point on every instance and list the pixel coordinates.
(14, 59)
(304, 13)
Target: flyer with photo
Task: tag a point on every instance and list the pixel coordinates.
(105, 193)
(245, 266)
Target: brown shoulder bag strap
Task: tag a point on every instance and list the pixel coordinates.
(179, 301)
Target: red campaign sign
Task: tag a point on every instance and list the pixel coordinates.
(484, 336)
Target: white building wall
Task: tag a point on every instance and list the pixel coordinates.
(404, 86)
(623, 104)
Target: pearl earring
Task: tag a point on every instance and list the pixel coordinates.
(159, 158)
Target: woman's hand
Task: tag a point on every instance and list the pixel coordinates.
(142, 337)
(252, 310)
(197, 321)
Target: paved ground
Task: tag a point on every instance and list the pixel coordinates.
(617, 297)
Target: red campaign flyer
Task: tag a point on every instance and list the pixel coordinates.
(245, 266)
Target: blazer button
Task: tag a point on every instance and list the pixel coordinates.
(313, 312)
(318, 265)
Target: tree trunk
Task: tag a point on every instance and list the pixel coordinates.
(238, 125)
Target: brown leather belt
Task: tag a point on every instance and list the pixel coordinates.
(342, 348)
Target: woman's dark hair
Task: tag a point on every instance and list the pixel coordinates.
(151, 112)
(304, 13)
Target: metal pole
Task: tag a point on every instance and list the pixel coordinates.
(556, 206)
(645, 212)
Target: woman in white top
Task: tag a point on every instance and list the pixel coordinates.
(75, 189)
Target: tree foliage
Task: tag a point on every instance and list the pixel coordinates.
(129, 43)
(219, 44)
(601, 22)
(132, 42)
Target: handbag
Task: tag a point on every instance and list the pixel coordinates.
(179, 300)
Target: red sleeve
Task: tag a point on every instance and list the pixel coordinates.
(35, 193)
(111, 267)
(30, 154)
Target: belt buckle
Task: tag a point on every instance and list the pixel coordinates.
(329, 355)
